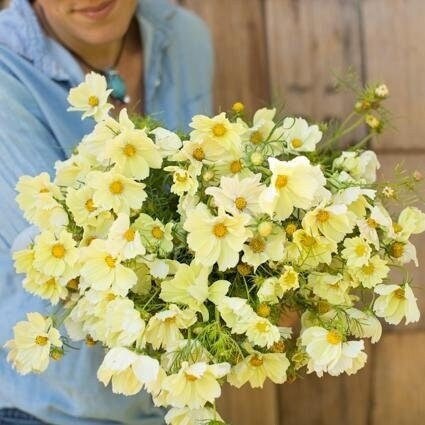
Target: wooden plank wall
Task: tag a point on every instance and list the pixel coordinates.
(286, 51)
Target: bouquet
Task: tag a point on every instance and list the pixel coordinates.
(182, 254)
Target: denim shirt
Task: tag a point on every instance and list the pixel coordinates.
(35, 131)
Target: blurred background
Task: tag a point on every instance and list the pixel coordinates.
(275, 51)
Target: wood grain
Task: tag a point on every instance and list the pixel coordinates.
(241, 67)
(308, 41)
(328, 400)
(394, 53)
(249, 406)
(398, 387)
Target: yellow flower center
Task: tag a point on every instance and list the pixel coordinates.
(41, 340)
(323, 307)
(240, 203)
(397, 249)
(44, 190)
(129, 150)
(191, 378)
(170, 320)
(219, 130)
(368, 269)
(116, 187)
(334, 337)
(93, 101)
(290, 229)
(244, 269)
(181, 178)
(397, 227)
(157, 232)
(58, 250)
(110, 297)
(290, 278)
(256, 361)
(129, 235)
(110, 261)
(90, 205)
(278, 347)
(399, 293)
(322, 216)
(262, 327)
(263, 310)
(281, 181)
(73, 284)
(372, 223)
(360, 250)
(296, 143)
(256, 138)
(235, 167)
(220, 230)
(257, 245)
(308, 241)
(198, 154)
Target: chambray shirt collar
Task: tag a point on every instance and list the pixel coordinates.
(58, 64)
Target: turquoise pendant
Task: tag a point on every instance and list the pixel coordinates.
(116, 83)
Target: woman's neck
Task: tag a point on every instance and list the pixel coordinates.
(98, 56)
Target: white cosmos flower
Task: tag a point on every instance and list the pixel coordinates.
(236, 312)
(333, 221)
(411, 221)
(184, 180)
(216, 239)
(299, 136)
(218, 132)
(364, 325)
(395, 303)
(80, 203)
(333, 288)
(361, 167)
(352, 359)
(35, 194)
(121, 325)
(294, 184)
(168, 142)
(32, 342)
(260, 249)
(55, 254)
(378, 218)
(261, 332)
(128, 371)
(46, 287)
(134, 153)
(95, 144)
(72, 171)
(357, 252)
(114, 191)
(91, 97)
(125, 238)
(163, 329)
(102, 268)
(372, 273)
(190, 287)
(329, 353)
(187, 416)
(238, 195)
(195, 385)
(257, 367)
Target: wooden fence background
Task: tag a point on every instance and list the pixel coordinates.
(287, 50)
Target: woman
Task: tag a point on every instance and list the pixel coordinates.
(157, 58)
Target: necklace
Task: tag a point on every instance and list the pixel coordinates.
(114, 80)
